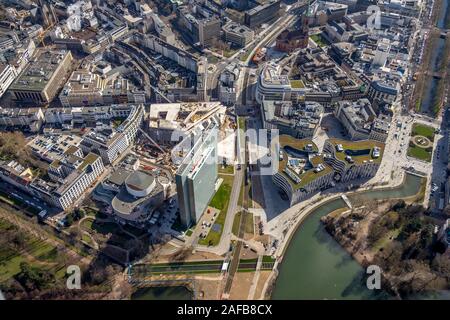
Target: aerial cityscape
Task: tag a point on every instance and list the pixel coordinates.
(224, 149)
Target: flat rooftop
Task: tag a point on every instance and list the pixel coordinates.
(174, 115)
(53, 146)
(311, 158)
(118, 176)
(40, 71)
(360, 151)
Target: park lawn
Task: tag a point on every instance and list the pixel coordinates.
(219, 201)
(245, 56)
(86, 238)
(248, 227)
(423, 130)
(228, 169)
(385, 240)
(37, 253)
(418, 104)
(87, 224)
(236, 223)
(419, 153)
(229, 53)
(184, 263)
(212, 59)
(222, 196)
(10, 266)
(249, 223)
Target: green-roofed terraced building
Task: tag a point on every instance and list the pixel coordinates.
(303, 170)
(353, 159)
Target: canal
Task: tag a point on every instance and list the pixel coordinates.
(315, 266)
(431, 88)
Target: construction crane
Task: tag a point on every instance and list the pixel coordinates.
(43, 34)
(165, 153)
(49, 23)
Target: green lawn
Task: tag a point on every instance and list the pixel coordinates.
(249, 228)
(416, 151)
(249, 223)
(268, 259)
(228, 169)
(236, 223)
(297, 84)
(212, 59)
(423, 130)
(222, 196)
(387, 238)
(220, 202)
(317, 38)
(229, 53)
(100, 227)
(419, 153)
(86, 238)
(418, 104)
(37, 253)
(242, 123)
(245, 56)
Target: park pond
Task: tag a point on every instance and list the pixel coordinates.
(315, 266)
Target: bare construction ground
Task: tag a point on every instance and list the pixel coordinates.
(241, 285)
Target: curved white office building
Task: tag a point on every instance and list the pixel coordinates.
(272, 85)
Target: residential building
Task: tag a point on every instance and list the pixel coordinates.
(181, 57)
(7, 76)
(86, 88)
(361, 121)
(73, 175)
(297, 120)
(110, 144)
(29, 119)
